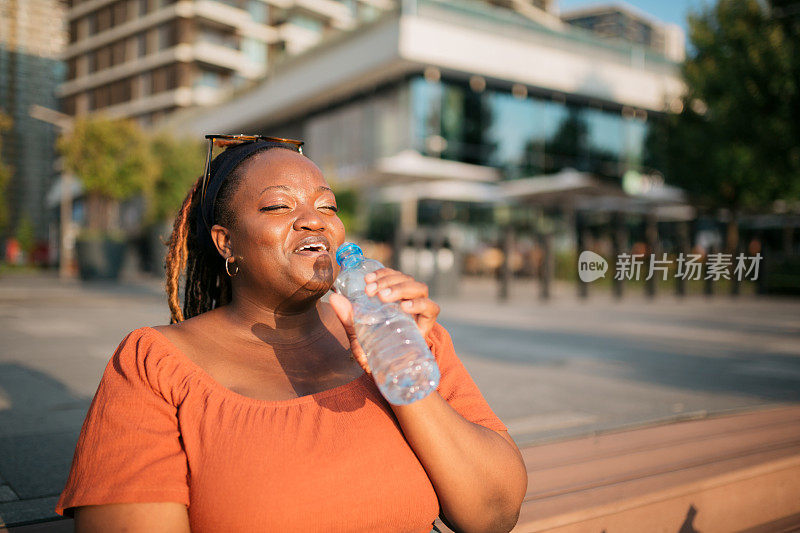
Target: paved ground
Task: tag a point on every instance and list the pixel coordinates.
(550, 371)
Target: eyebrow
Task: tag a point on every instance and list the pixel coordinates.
(287, 188)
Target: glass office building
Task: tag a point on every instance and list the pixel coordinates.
(451, 100)
(512, 128)
(524, 134)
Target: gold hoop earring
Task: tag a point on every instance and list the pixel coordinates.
(226, 267)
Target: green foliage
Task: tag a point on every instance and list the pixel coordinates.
(736, 142)
(95, 235)
(180, 162)
(26, 235)
(5, 174)
(382, 222)
(113, 160)
(347, 202)
(566, 265)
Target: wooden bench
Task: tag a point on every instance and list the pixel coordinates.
(730, 473)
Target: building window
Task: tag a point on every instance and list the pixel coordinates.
(68, 105)
(635, 131)
(307, 22)
(254, 50)
(145, 84)
(517, 131)
(103, 58)
(119, 14)
(91, 62)
(209, 78)
(218, 36)
(120, 91)
(92, 22)
(141, 45)
(72, 71)
(73, 31)
(167, 35)
(118, 53)
(104, 19)
(164, 79)
(258, 10)
(426, 109)
(605, 141)
(524, 136)
(99, 97)
(142, 7)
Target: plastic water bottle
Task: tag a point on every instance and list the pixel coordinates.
(402, 365)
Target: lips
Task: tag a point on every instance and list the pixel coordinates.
(313, 245)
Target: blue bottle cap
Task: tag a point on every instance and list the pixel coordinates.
(346, 249)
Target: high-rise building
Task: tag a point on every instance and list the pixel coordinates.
(146, 58)
(31, 40)
(624, 22)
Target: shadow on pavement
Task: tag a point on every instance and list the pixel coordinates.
(39, 425)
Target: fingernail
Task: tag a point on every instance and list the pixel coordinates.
(371, 288)
(386, 292)
(407, 304)
(370, 277)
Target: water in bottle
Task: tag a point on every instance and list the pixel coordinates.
(402, 365)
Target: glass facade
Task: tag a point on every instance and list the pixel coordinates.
(345, 139)
(523, 135)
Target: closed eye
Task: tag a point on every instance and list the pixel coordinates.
(331, 207)
(273, 207)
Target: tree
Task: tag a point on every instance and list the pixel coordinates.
(5, 174)
(26, 235)
(113, 160)
(736, 143)
(347, 201)
(180, 162)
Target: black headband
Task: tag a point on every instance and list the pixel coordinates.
(222, 165)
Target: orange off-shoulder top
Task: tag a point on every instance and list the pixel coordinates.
(160, 429)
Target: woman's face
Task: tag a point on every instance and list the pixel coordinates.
(285, 231)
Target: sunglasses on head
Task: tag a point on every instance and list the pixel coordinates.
(226, 141)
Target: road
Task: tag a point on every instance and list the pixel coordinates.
(549, 370)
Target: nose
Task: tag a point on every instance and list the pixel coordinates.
(309, 219)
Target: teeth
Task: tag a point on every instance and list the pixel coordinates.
(313, 247)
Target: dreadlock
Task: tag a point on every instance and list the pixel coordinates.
(206, 284)
(203, 284)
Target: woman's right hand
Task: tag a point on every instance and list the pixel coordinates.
(344, 310)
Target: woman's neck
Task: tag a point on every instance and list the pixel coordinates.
(274, 324)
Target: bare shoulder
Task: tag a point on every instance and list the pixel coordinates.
(188, 336)
(190, 326)
(168, 517)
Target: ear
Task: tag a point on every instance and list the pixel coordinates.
(221, 238)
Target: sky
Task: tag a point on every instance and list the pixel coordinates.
(672, 11)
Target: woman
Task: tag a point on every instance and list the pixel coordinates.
(255, 410)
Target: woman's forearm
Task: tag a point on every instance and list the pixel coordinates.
(479, 477)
